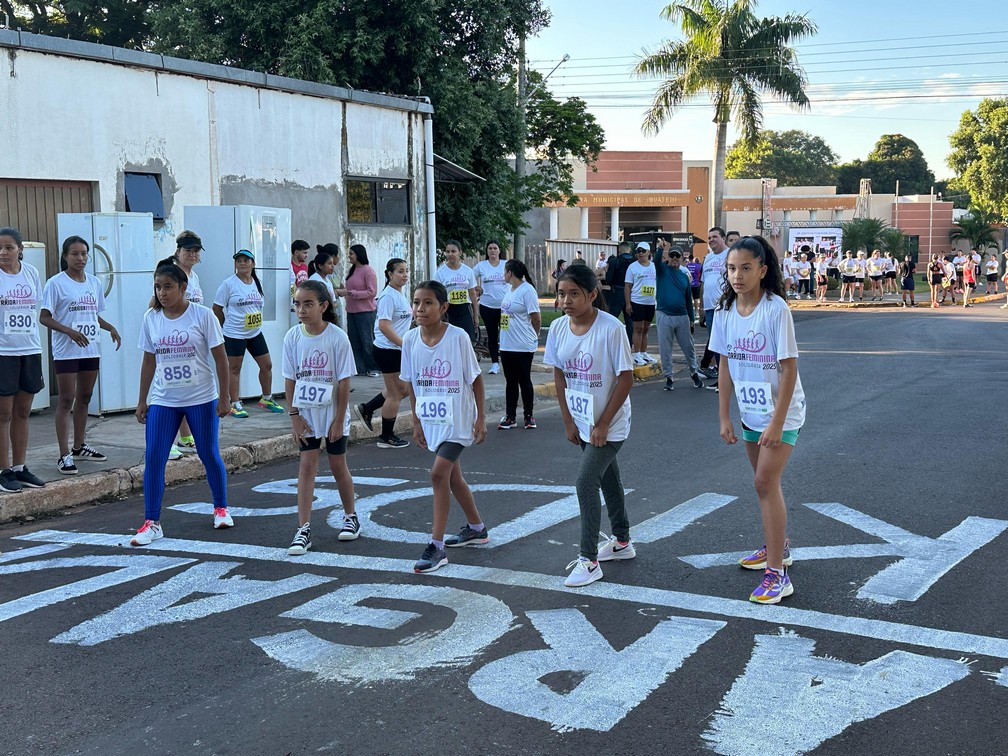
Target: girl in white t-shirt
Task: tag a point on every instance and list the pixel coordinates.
(72, 303)
(593, 373)
(183, 348)
(754, 334)
(991, 272)
(393, 321)
(492, 288)
(520, 322)
(446, 391)
(876, 272)
(20, 359)
(460, 282)
(320, 268)
(238, 306)
(639, 293)
(317, 365)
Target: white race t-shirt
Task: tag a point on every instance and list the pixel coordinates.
(754, 346)
(804, 269)
(787, 267)
(821, 267)
(591, 364)
(712, 278)
(395, 308)
(194, 292)
(992, 267)
(458, 282)
(75, 305)
(442, 378)
(19, 299)
(516, 331)
(492, 281)
(642, 282)
(325, 282)
(876, 266)
(317, 364)
(849, 266)
(889, 264)
(243, 305)
(185, 373)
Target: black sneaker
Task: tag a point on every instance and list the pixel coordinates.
(302, 541)
(393, 442)
(708, 373)
(350, 529)
(365, 416)
(431, 559)
(530, 423)
(9, 483)
(507, 423)
(668, 384)
(28, 479)
(88, 453)
(469, 537)
(66, 465)
(697, 383)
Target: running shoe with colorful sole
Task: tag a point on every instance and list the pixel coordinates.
(757, 560)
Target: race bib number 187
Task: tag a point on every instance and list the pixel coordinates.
(581, 406)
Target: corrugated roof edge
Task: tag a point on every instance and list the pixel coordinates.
(12, 38)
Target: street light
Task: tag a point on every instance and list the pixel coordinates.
(523, 98)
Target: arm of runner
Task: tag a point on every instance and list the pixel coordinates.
(418, 434)
(771, 437)
(726, 390)
(46, 319)
(223, 378)
(627, 288)
(621, 390)
(106, 326)
(147, 367)
(385, 326)
(342, 402)
(561, 391)
(474, 302)
(219, 312)
(479, 426)
(299, 426)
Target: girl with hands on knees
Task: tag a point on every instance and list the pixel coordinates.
(446, 391)
(317, 366)
(754, 334)
(593, 373)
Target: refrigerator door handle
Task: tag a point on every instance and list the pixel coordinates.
(111, 272)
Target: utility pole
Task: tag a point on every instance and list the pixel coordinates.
(519, 237)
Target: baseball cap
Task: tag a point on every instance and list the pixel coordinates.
(644, 245)
(189, 241)
(244, 253)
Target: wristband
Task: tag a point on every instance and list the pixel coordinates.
(294, 413)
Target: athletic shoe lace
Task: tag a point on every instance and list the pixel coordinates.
(770, 579)
(220, 512)
(148, 524)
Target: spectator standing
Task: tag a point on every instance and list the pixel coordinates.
(675, 312)
(360, 291)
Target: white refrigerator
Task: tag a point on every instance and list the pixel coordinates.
(266, 232)
(123, 259)
(35, 255)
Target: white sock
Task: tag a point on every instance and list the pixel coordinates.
(17, 468)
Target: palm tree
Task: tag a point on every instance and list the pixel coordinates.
(733, 57)
(976, 226)
(894, 241)
(862, 234)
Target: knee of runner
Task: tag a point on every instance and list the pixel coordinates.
(765, 484)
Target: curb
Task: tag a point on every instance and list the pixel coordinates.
(813, 305)
(121, 483)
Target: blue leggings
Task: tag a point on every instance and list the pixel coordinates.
(162, 425)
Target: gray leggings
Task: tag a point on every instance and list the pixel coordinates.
(599, 469)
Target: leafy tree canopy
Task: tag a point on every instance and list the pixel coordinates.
(979, 155)
(794, 158)
(894, 158)
(121, 23)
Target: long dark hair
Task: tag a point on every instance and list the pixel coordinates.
(438, 290)
(503, 254)
(360, 253)
(70, 240)
(321, 258)
(771, 283)
(584, 278)
(517, 268)
(390, 267)
(169, 267)
(321, 292)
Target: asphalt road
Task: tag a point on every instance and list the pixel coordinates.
(894, 641)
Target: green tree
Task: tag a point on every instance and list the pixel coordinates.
(733, 57)
(979, 155)
(121, 23)
(953, 190)
(894, 158)
(794, 158)
(862, 234)
(978, 227)
(894, 241)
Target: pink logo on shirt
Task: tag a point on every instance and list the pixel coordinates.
(87, 299)
(438, 369)
(20, 293)
(175, 338)
(316, 360)
(581, 362)
(752, 342)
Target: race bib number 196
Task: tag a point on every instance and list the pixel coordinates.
(434, 410)
(754, 397)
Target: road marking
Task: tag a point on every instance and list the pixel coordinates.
(930, 638)
(34, 551)
(679, 517)
(614, 682)
(479, 621)
(923, 560)
(823, 696)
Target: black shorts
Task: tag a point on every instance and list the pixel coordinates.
(641, 312)
(696, 292)
(83, 365)
(848, 279)
(236, 347)
(833, 273)
(450, 450)
(891, 274)
(936, 280)
(876, 279)
(314, 444)
(821, 280)
(22, 372)
(387, 360)
(908, 284)
(992, 277)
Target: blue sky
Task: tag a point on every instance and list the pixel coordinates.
(874, 68)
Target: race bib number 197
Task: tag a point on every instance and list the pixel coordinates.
(312, 395)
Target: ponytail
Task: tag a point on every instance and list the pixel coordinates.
(517, 268)
(257, 282)
(321, 258)
(390, 267)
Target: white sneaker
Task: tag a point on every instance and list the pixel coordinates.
(494, 368)
(584, 572)
(150, 531)
(648, 358)
(174, 453)
(611, 550)
(221, 518)
(638, 360)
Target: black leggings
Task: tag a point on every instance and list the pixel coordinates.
(518, 374)
(491, 319)
(461, 315)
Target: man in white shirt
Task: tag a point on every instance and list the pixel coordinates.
(959, 261)
(600, 266)
(711, 287)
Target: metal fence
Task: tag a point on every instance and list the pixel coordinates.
(541, 259)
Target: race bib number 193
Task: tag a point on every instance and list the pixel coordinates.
(754, 397)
